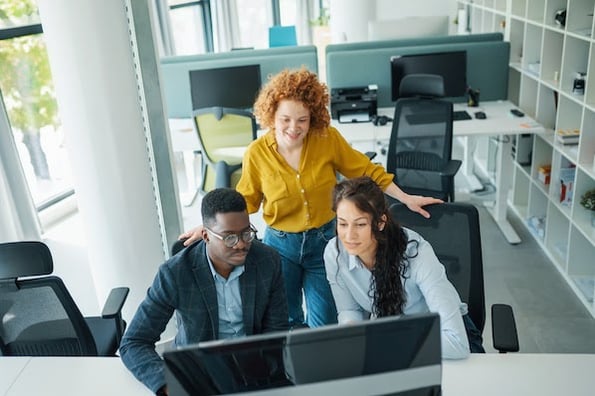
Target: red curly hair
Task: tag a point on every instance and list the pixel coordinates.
(300, 85)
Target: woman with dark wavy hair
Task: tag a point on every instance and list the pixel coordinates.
(377, 268)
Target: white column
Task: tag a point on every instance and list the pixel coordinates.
(349, 19)
(103, 112)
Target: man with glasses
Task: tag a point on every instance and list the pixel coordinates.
(227, 285)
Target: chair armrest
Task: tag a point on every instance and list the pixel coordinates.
(504, 332)
(451, 168)
(115, 302)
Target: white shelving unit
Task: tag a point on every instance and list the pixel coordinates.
(545, 57)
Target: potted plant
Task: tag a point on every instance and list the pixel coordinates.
(588, 202)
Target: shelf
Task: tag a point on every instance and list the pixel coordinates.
(545, 58)
(586, 285)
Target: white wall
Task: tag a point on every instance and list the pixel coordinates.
(391, 9)
(349, 18)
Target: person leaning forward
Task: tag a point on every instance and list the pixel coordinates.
(225, 286)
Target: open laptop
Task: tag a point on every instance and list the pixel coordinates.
(387, 356)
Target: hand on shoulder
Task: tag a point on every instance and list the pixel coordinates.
(189, 237)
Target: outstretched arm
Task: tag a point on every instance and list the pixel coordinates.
(415, 203)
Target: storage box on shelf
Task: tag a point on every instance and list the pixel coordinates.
(549, 56)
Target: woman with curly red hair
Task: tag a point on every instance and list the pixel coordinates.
(291, 171)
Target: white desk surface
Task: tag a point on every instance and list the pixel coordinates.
(499, 121)
(87, 376)
(520, 374)
(10, 370)
(482, 374)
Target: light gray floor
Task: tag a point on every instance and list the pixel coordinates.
(549, 316)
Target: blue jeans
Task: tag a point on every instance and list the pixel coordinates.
(303, 269)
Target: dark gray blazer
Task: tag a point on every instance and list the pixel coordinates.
(185, 284)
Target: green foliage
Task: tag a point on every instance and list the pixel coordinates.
(25, 77)
(588, 200)
(323, 19)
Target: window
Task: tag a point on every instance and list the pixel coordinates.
(191, 26)
(192, 23)
(28, 93)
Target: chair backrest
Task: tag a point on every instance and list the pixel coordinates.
(38, 317)
(420, 144)
(422, 85)
(282, 36)
(222, 131)
(453, 231)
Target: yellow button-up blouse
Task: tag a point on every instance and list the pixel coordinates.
(296, 201)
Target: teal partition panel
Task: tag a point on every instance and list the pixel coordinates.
(487, 67)
(176, 82)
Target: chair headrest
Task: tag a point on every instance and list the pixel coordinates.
(27, 258)
(425, 85)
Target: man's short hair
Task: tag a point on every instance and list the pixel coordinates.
(221, 200)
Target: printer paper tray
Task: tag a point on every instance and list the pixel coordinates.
(354, 117)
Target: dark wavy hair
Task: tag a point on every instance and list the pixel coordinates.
(392, 260)
(300, 85)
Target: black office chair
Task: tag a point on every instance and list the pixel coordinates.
(454, 233)
(420, 146)
(223, 134)
(38, 316)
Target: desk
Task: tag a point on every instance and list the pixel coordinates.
(499, 121)
(482, 374)
(87, 376)
(10, 370)
(365, 137)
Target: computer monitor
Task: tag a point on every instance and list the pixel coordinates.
(395, 355)
(234, 87)
(452, 66)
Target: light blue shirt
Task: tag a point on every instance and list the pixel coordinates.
(426, 287)
(229, 302)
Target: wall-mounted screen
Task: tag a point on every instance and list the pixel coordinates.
(234, 87)
(452, 66)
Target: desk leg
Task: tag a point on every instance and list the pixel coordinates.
(192, 169)
(504, 167)
(469, 144)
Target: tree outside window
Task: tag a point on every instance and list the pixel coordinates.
(28, 92)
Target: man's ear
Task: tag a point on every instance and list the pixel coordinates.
(382, 223)
(205, 234)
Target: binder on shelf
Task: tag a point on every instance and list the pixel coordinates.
(567, 185)
(568, 136)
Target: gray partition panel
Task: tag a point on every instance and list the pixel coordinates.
(176, 83)
(487, 67)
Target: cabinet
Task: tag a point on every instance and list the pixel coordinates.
(545, 57)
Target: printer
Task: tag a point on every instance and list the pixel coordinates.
(354, 104)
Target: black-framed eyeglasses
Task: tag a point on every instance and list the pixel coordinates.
(230, 240)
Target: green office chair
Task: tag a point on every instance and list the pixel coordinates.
(223, 134)
(38, 316)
